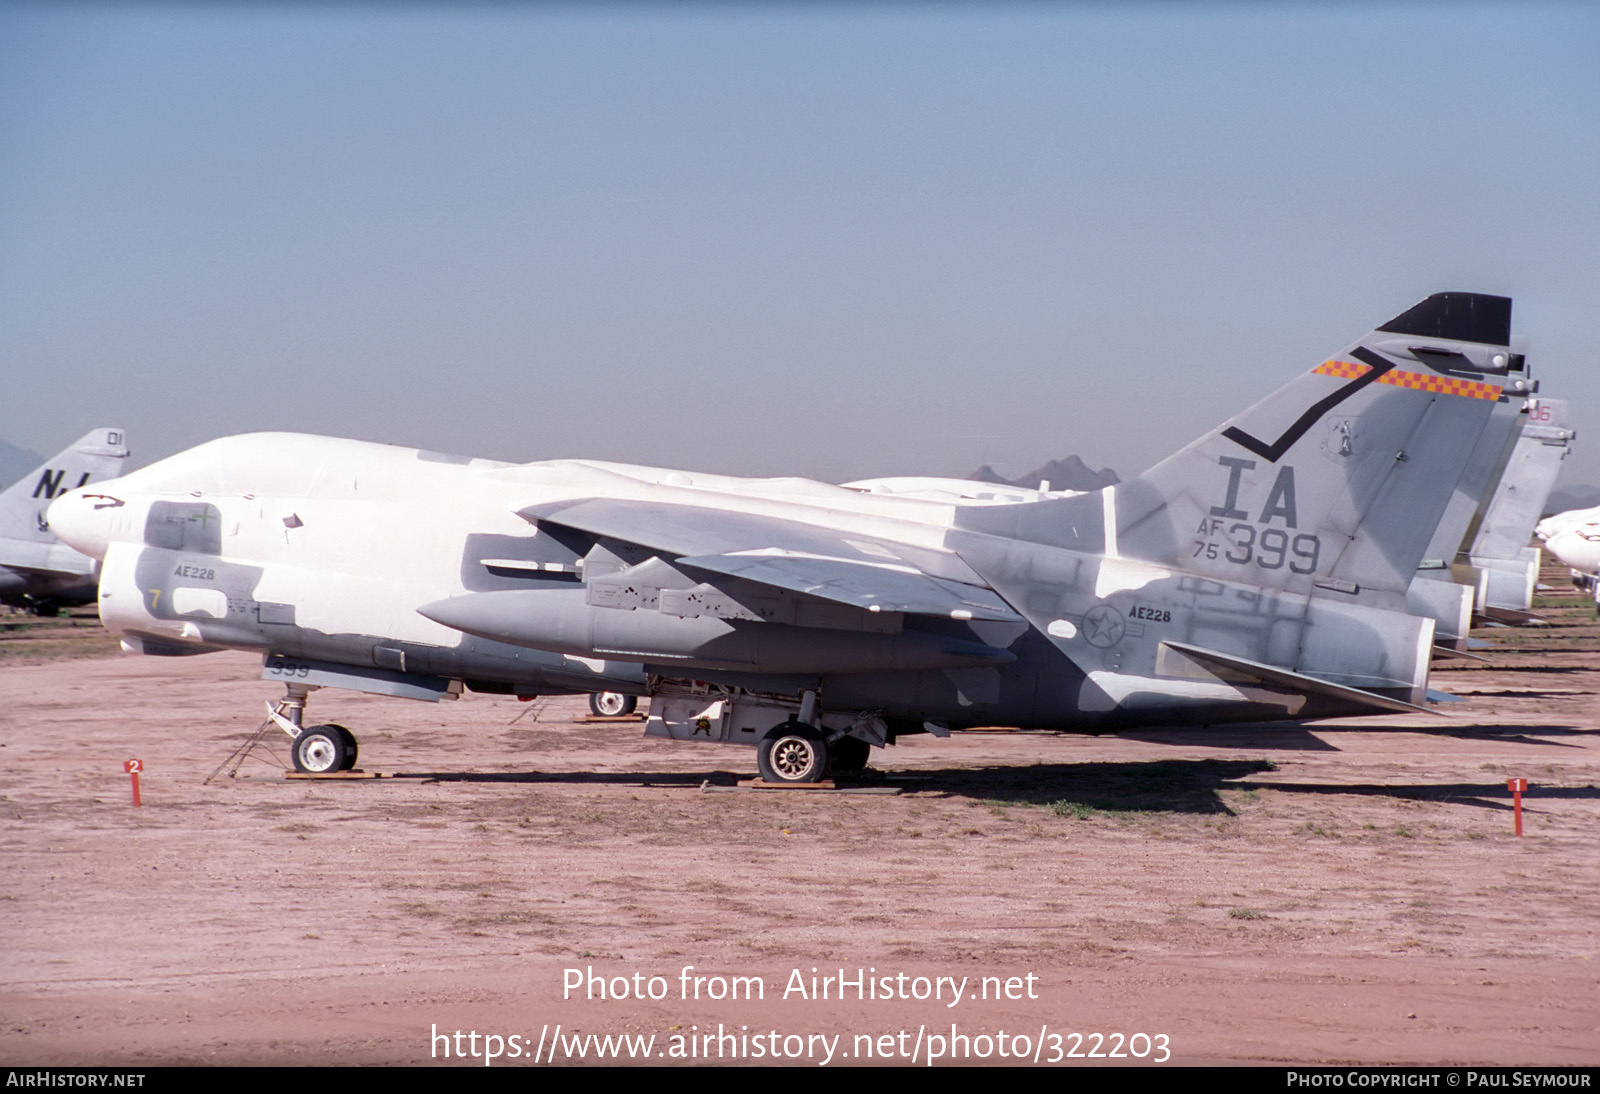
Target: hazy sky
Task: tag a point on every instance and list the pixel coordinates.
(822, 239)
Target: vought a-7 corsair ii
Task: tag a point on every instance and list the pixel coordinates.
(1260, 573)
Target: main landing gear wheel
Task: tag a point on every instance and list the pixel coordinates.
(792, 753)
(612, 704)
(849, 754)
(322, 750)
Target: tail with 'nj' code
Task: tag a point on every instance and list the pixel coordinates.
(98, 454)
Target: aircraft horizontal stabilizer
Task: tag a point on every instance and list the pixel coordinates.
(1273, 676)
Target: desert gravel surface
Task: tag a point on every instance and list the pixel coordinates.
(1340, 893)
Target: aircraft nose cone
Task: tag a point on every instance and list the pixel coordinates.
(1577, 547)
(82, 518)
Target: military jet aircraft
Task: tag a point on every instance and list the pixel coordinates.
(1574, 538)
(1260, 573)
(37, 570)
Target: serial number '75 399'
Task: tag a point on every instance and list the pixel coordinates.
(1269, 548)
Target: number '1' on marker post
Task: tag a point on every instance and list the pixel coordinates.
(133, 767)
(1517, 786)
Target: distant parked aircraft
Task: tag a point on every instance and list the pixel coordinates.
(37, 570)
(1574, 538)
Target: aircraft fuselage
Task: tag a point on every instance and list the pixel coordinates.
(321, 552)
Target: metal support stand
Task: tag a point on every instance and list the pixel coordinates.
(287, 714)
(532, 710)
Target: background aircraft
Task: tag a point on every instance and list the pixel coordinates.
(37, 570)
(1574, 538)
(1503, 568)
(1259, 573)
(1478, 566)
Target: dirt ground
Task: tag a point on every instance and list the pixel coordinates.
(1332, 894)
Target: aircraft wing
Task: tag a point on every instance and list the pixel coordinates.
(832, 564)
(863, 585)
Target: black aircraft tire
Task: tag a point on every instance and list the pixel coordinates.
(612, 704)
(792, 753)
(320, 750)
(351, 749)
(849, 754)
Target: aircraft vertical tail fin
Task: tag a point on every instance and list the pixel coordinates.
(1508, 569)
(1529, 478)
(99, 454)
(1336, 481)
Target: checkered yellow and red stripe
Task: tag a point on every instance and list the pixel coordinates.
(1421, 381)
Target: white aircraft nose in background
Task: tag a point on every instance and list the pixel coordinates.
(1578, 546)
(1552, 526)
(1573, 537)
(84, 518)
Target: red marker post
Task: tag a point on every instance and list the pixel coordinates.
(133, 767)
(1517, 786)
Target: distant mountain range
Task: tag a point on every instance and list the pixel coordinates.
(1577, 496)
(1068, 474)
(16, 462)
